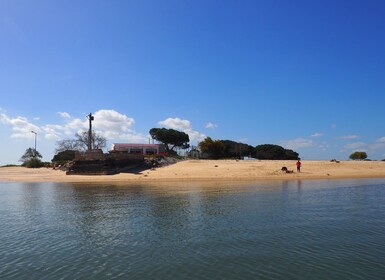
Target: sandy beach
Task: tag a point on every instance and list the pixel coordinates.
(211, 170)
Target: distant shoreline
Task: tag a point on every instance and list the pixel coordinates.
(210, 170)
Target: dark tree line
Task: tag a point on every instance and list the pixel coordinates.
(220, 149)
(274, 152)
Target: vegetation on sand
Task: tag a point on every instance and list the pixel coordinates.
(358, 156)
(274, 152)
(63, 157)
(31, 159)
(219, 149)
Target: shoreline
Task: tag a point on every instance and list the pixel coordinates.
(210, 170)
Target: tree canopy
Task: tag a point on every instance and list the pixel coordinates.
(274, 152)
(358, 156)
(171, 138)
(212, 148)
(236, 149)
(217, 149)
(31, 158)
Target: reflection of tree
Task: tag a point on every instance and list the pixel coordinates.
(105, 213)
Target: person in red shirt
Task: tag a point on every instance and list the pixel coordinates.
(298, 164)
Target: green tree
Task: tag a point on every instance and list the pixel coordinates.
(80, 143)
(234, 149)
(290, 154)
(171, 138)
(274, 152)
(213, 149)
(358, 156)
(31, 158)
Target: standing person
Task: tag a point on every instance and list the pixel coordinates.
(298, 163)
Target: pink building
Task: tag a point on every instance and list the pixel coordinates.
(145, 149)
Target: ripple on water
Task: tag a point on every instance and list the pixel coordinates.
(318, 231)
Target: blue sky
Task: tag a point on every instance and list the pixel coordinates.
(306, 75)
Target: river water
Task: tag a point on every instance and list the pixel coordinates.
(312, 229)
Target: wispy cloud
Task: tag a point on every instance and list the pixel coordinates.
(21, 126)
(297, 143)
(379, 144)
(183, 125)
(348, 137)
(211, 125)
(317, 134)
(356, 145)
(64, 115)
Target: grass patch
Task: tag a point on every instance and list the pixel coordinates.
(11, 165)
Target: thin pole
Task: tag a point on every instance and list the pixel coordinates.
(34, 152)
(35, 138)
(90, 118)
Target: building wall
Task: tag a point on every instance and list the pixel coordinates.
(138, 148)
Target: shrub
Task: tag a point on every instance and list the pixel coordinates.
(64, 157)
(358, 156)
(33, 163)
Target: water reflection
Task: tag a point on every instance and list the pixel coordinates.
(272, 229)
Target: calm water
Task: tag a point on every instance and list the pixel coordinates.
(261, 230)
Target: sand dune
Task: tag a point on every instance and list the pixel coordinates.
(212, 170)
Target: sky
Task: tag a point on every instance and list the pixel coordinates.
(305, 75)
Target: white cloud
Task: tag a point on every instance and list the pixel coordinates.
(211, 125)
(132, 137)
(361, 146)
(176, 123)
(109, 123)
(112, 121)
(297, 143)
(64, 115)
(21, 126)
(183, 125)
(379, 144)
(349, 137)
(52, 131)
(317, 134)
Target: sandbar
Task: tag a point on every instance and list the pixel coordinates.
(210, 170)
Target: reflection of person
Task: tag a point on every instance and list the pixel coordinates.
(298, 166)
